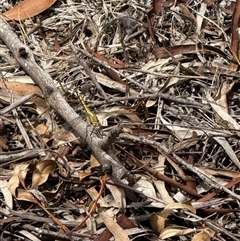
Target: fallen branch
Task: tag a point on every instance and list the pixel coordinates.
(25, 58)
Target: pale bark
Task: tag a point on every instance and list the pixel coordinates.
(25, 58)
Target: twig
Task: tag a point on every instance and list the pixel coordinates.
(104, 64)
(152, 96)
(89, 73)
(162, 177)
(103, 181)
(25, 58)
(14, 156)
(206, 178)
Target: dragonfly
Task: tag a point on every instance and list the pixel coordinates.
(91, 116)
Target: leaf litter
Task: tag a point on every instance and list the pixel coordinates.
(167, 74)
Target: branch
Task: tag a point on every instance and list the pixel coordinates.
(25, 58)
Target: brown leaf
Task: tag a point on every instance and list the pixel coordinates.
(3, 142)
(93, 163)
(25, 196)
(113, 75)
(43, 130)
(117, 111)
(167, 52)
(56, 44)
(211, 195)
(158, 219)
(42, 172)
(118, 65)
(114, 228)
(50, 195)
(186, 11)
(204, 235)
(27, 9)
(175, 230)
(155, 10)
(123, 221)
(22, 89)
(19, 175)
(235, 32)
(186, 143)
(13, 184)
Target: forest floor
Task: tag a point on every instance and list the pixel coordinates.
(126, 123)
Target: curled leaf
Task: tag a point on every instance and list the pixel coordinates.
(43, 169)
(158, 220)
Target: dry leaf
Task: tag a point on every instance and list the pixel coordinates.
(93, 163)
(155, 10)
(187, 12)
(227, 147)
(166, 52)
(94, 195)
(27, 9)
(63, 137)
(25, 196)
(160, 185)
(205, 235)
(176, 231)
(221, 97)
(118, 233)
(106, 81)
(51, 194)
(43, 130)
(29, 235)
(158, 219)
(116, 111)
(220, 172)
(145, 187)
(200, 17)
(19, 175)
(13, 184)
(118, 65)
(211, 195)
(6, 193)
(23, 89)
(235, 32)
(119, 197)
(42, 172)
